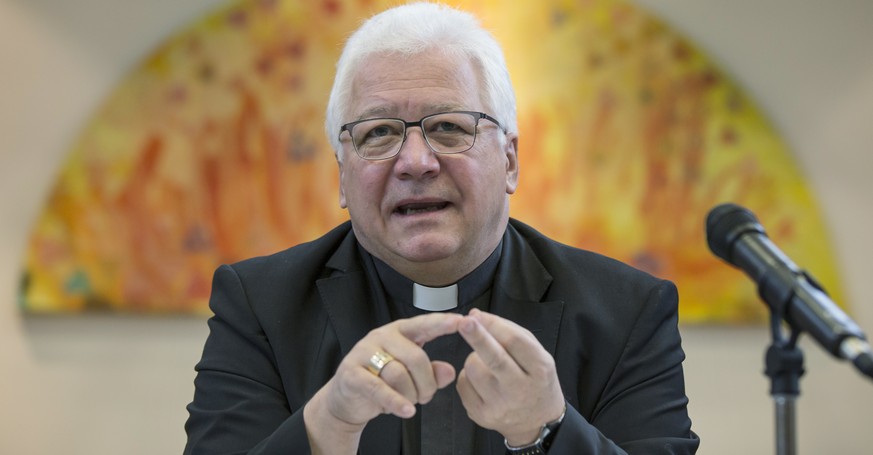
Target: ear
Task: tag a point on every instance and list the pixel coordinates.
(510, 149)
(342, 193)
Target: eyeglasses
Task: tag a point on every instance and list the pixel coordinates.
(445, 133)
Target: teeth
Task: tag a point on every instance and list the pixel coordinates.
(411, 211)
(414, 210)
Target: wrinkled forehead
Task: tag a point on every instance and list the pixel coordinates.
(391, 84)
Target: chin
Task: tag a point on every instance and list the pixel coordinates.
(429, 249)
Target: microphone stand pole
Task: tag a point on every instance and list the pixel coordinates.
(784, 366)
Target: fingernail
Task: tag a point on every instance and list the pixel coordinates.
(467, 326)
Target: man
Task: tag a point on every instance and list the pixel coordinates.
(349, 344)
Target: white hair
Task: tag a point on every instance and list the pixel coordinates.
(413, 29)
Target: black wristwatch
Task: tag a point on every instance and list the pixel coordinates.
(543, 441)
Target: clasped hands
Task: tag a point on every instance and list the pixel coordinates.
(508, 383)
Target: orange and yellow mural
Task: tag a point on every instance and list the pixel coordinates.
(213, 150)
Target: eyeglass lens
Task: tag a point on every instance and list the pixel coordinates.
(451, 132)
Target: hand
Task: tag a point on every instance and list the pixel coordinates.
(509, 383)
(354, 395)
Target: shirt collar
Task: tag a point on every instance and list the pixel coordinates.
(405, 291)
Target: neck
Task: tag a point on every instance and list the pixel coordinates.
(442, 272)
(445, 270)
(408, 293)
(435, 275)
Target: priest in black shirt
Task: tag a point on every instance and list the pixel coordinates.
(431, 322)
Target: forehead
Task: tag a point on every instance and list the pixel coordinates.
(396, 85)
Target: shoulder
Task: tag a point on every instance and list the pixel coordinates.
(583, 267)
(300, 265)
(605, 295)
(609, 307)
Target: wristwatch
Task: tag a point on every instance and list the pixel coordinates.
(543, 441)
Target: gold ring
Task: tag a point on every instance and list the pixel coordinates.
(378, 361)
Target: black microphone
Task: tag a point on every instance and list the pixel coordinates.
(735, 235)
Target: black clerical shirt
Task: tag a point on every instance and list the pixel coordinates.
(441, 427)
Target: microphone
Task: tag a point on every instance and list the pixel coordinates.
(735, 235)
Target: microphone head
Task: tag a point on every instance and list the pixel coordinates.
(725, 224)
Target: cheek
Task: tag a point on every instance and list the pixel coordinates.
(364, 186)
(483, 185)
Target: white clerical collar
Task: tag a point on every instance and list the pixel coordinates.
(434, 299)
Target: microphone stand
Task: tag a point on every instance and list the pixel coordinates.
(784, 366)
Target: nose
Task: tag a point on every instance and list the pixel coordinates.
(416, 159)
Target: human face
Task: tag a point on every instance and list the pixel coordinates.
(433, 218)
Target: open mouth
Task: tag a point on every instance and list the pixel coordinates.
(422, 207)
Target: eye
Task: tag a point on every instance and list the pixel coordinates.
(381, 131)
(377, 131)
(447, 127)
(451, 124)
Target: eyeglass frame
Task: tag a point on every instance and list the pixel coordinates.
(420, 124)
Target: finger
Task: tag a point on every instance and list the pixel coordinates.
(397, 377)
(418, 331)
(490, 386)
(515, 340)
(443, 372)
(407, 349)
(424, 328)
(384, 396)
(412, 373)
(488, 349)
(470, 397)
(394, 403)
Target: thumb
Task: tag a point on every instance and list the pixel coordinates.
(443, 372)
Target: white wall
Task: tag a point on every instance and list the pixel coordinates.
(809, 65)
(110, 385)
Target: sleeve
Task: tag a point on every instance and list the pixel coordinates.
(643, 408)
(239, 404)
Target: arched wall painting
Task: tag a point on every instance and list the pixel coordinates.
(212, 150)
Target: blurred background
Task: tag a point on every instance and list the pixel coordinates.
(100, 384)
